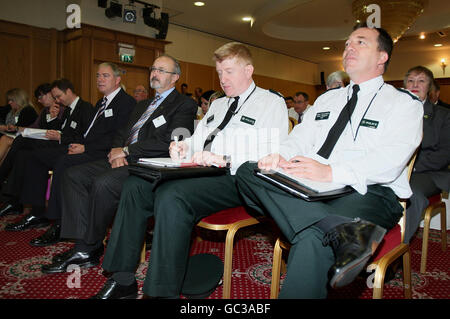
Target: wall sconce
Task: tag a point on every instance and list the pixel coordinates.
(443, 65)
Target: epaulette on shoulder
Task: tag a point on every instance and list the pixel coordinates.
(338, 87)
(409, 93)
(276, 93)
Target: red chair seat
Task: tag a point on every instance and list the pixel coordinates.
(227, 216)
(434, 199)
(391, 240)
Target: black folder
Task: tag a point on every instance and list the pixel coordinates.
(159, 174)
(297, 189)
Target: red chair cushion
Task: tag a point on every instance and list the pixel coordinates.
(391, 240)
(227, 216)
(434, 199)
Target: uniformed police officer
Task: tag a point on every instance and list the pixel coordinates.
(362, 135)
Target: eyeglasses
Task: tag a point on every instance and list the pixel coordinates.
(158, 70)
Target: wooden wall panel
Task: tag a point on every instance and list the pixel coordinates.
(15, 64)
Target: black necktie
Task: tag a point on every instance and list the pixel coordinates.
(208, 143)
(338, 127)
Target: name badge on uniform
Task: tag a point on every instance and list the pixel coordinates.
(73, 124)
(160, 120)
(108, 113)
(322, 116)
(248, 120)
(369, 123)
(210, 119)
(49, 117)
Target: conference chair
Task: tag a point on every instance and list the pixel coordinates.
(436, 206)
(231, 220)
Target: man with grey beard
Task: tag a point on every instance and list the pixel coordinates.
(91, 192)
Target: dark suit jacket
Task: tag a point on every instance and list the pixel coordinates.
(100, 137)
(26, 116)
(76, 123)
(434, 153)
(178, 110)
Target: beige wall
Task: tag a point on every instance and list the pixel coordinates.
(197, 47)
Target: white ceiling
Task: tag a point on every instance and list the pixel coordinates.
(300, 28)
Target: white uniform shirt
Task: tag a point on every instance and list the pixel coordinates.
(375, 147)
(256, 130)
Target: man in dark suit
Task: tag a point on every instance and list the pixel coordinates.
(111, 114)
(431, 173)
(91, 192)
(433, 95)
(75, 119)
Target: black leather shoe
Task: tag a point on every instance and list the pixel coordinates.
(112, 290)
(10, 209)
(50, 237)
(62, 256)
(80, 258)
(28, 222)
(353, 244)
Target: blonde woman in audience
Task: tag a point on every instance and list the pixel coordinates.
(22, 114)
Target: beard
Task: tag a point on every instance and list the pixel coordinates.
(155, 83)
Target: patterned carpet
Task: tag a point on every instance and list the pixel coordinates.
(21, 278)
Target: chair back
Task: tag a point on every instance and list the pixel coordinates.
(410, 167)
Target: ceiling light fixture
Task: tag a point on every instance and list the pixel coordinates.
(422, 36)
(199, 4)
(326, 48)
(438, 45)
(247, 19)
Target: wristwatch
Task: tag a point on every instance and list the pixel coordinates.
(125, 150)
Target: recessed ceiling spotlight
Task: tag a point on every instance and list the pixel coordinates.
(438, 45)
(326, 48)
(199, 4)
(247, 19)
(422, 36)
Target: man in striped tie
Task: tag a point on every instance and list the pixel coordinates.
(91, 192)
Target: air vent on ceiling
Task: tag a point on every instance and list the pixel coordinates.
(441, 34)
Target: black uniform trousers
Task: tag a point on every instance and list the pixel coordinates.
(309, 261)
(177, 207)
(95, 187)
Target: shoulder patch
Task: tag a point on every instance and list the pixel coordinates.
(409, 93)
(276, 93)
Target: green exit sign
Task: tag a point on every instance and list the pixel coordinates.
(126, 58)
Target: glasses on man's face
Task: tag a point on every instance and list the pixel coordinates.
(160, 71)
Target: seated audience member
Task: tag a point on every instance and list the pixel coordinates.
(111, 114)
(22, 114)
(289, 102)
(431, 174)
(178, 205)
(337, 79)
(50, 117)
(140, 93)
(205, 103)
(198, 92)
(301, 105)
(433, 95)
(332, 240)
(91, 192)
(77, 116)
